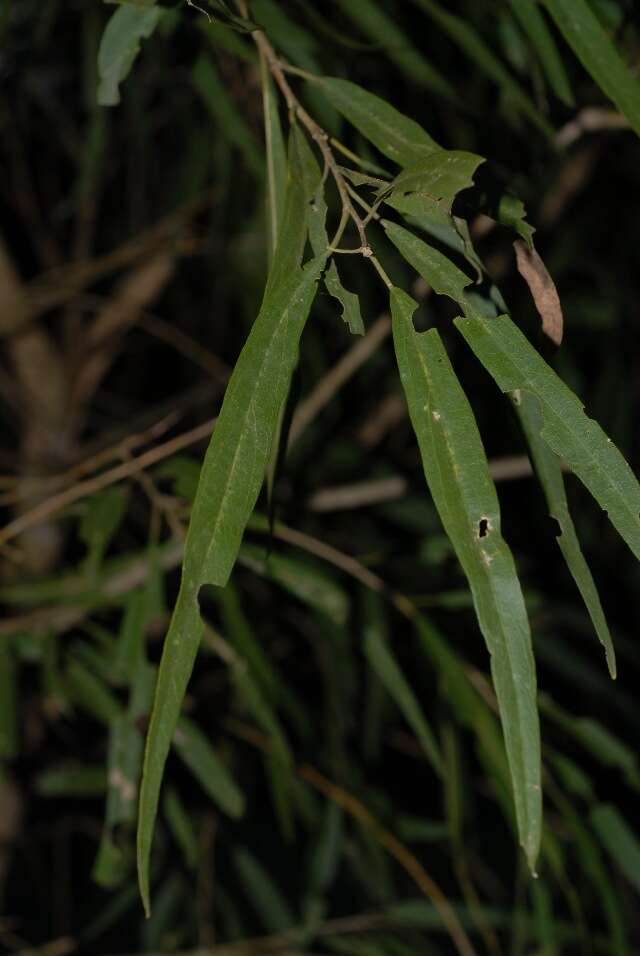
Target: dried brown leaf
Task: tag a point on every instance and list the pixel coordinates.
(543, 289)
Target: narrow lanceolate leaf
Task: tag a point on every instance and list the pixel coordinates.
(515, 365)
(119, 47)
(473, 46)
(397, 46)
(349, 301)
(534, 25)
(124, 765)
(306, 582)
(619, 840)
(230, 481)
(457, 473)
(242, 24)
(396, 136)
(547, 466)
(386, 667)
(229, 121)
(263, 894)
(442, 275)
(593, 864)
(300, 189)
(582, 30)
(301, 181)
(203, 762)
(276, 158)
(181, 825)
(99, 523)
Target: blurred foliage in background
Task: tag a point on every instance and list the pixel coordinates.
(337, 781)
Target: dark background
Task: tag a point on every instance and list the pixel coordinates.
(185, 180)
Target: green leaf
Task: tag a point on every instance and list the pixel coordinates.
(222, 35)
(184, 472)
(515, 365)
(544, 918)
(549, 473)
(397, 136)
(397, 46)
(250, 650)
(582, 30)
(225, 114)
(302, 178)
(100, 521)
(119, 47)
(619, 840)
(276, 159)
(591, 860)
(534, 25)
(381, 659)
(266, 898)
(72, 782)
(241, 24)
(573, 778)
(462, 34)
(130, 647)
(466, 704)
(91, 694)
(203, 762)
(304, 581)
(457, 473)
(453, 783)
(181, 825)
(435, 268)
(329, 838)
(132, 3)
(349, 301)
(510, 211)
(609, 750)
(230, 481)
(436, 179)
(244, 641)
(433, 219)
(124, 763)
(255, 702)
(319, 240)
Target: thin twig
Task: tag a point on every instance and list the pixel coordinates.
(398, 851)
(89, 487)
(356, 809)
(325, 390)
(319, 136)
(359, 494)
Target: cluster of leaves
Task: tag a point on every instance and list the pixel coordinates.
(353, 159)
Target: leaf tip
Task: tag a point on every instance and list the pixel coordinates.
(143, 886)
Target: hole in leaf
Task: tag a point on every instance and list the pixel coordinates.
(483, 527)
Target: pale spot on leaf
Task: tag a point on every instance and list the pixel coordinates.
(125, 787)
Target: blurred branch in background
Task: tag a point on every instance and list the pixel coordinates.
(339, 750)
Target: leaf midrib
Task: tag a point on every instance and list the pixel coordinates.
(496, 603)
(243, 437)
